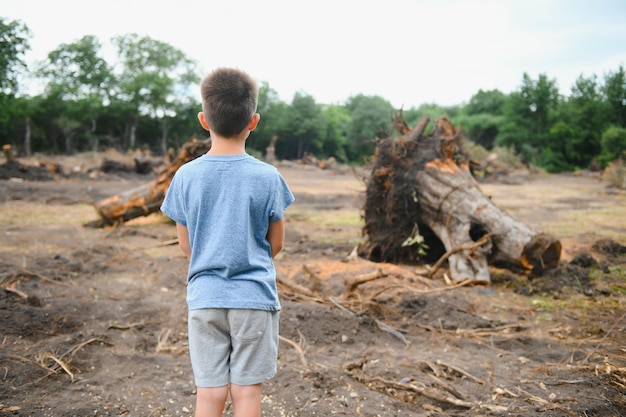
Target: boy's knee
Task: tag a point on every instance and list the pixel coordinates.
(245, 392)
(213, 395)
(246, 400)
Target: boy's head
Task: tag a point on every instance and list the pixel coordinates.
(229, 101)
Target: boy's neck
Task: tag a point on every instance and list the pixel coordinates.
(230, 146)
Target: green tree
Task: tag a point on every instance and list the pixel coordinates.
(370, 118)
(182, 128)
(46, 134)
(481, 118)
(78, 75)
(527, 117)
(542, 98)
(305, 128)
(581, 123)
(155, 81)
(614, 91)
(336, 138)
(613, 145)
(18, 111)
(276, 122)
(553, 158)
(432, 110)
(482, 128)
(14, 43)
(486, 102)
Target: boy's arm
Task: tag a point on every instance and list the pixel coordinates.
(276, 236)
(183, 239)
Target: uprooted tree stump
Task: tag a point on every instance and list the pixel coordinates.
(146, 199)
(423, 204)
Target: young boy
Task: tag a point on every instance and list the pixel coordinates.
(228, 208)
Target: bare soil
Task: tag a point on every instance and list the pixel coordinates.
(93, 321)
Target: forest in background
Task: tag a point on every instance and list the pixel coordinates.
(147, 100)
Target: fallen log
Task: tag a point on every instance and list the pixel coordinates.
(422, 202)
(146, 199)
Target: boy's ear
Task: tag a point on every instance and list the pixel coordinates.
(203, 121)
(254, 121)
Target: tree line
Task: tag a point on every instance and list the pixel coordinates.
(147, 99)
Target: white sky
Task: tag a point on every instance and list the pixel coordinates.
(407, 51)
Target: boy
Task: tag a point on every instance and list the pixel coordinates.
(228, 208)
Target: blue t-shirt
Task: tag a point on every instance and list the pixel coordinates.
(227, 203)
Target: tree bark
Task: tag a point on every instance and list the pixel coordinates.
(27, 137)
(146, 199)
(422, 202)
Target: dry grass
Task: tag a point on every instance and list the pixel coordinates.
(21, 225)
(21, 214)
(327, 226)
(615, 174)
(564, 206)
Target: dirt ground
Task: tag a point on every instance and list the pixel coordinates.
(93, 321)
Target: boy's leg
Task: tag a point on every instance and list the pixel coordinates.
(210, 401)
(209, 350)
(246, 400)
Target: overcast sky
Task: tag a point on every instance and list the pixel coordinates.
(407, 51)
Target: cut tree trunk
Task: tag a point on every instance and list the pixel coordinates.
(146, 199)
(423, 204)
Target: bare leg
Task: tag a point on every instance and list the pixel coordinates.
(246, 400)
(210, 401)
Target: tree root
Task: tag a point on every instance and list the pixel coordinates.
(480, 242)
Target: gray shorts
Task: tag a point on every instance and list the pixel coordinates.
(232, 346)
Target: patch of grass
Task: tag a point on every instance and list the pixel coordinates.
(615, 272)
(542, 303)
(327, 218)
(593, 220)
(595, 274)
(18, 214)
(615, 174)
(576, 304)
(619, 271)
(328, 226)
(618, 289)
(613, 281)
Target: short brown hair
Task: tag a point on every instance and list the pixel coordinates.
(229, 100)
